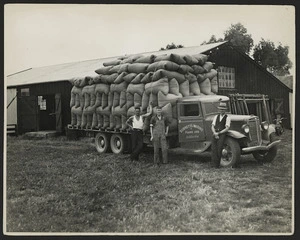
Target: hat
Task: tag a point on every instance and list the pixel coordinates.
(222, 106)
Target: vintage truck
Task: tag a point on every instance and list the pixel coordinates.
(247, 134)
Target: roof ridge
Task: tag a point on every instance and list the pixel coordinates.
(73, 62)
(18, 72)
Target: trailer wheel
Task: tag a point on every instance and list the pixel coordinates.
(266, 156)
(118, 144)
(231, 153)
(102, 142)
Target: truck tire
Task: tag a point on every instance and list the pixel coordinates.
(118, 144)
(102, 143)
(231, 153)
(266, 156)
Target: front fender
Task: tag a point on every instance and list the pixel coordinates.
(266, 133)
(235, 134)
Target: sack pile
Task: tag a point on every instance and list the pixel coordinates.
(108, 99)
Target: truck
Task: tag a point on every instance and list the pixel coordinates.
(248, 134)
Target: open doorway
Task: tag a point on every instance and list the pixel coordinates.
(47, 116)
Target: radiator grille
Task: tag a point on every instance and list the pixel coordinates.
(255, 133)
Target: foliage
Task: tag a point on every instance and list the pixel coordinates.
(237, 35)
(212, 39)
(171, 46)
(274, 59)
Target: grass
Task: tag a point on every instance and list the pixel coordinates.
(57, 185)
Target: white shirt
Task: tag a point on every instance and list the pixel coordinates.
(137, 123)
(228, 120)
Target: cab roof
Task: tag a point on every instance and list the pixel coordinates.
(205, 98)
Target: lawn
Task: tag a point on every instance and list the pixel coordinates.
(56, 185)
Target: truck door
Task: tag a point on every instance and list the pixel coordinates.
(190, 122)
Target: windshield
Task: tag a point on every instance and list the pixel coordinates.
(212, 107)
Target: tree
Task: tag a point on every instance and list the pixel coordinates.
(284, 63)
(237, 35)
(212, 39)
(274, 59)
(171, 46)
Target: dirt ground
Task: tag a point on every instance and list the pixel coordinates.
(58, 185)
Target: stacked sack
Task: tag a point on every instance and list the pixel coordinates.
(77, 101)
(108, 99)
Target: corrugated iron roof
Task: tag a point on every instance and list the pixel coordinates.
(287, 80)
(66, 71)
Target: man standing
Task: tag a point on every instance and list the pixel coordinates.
(219, 127)
(136, 124)
(159, 128)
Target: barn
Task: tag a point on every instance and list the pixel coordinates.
(38, 98)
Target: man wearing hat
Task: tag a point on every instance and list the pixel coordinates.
(219, 127)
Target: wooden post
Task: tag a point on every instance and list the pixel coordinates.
(246, 106)
(238, 107)
(234, 105)
(269, 114)
(242, 107)
(265, 109)
(259, 111)
(58, 114)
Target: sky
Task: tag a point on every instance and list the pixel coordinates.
(37, 35)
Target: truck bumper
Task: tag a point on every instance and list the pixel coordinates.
(260, 148)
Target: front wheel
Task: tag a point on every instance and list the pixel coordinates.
(231, 153)
(267, 156)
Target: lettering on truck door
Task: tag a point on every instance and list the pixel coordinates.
(190, 124)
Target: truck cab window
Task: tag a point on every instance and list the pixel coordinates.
(212, 107)
(189, 110)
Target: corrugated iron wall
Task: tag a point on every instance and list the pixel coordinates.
(63, 87)
(250, 78)
(11, 111)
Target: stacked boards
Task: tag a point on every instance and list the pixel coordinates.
(108, 99)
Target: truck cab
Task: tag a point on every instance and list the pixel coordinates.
(246, 134)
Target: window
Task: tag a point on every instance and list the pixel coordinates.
(42, 103)
(25, 92)
(189, 110)
(226, 77)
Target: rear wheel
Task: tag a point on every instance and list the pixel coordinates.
(102, 142)
(267, 156)
(231, 153)
(118, 144)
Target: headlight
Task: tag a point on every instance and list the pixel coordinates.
(265, 125)
(246, 128)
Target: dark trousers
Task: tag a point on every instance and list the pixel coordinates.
(137, 144)
(216, 149)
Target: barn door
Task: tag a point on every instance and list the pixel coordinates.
(58, 112)
(28, 108)
(278, 106)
